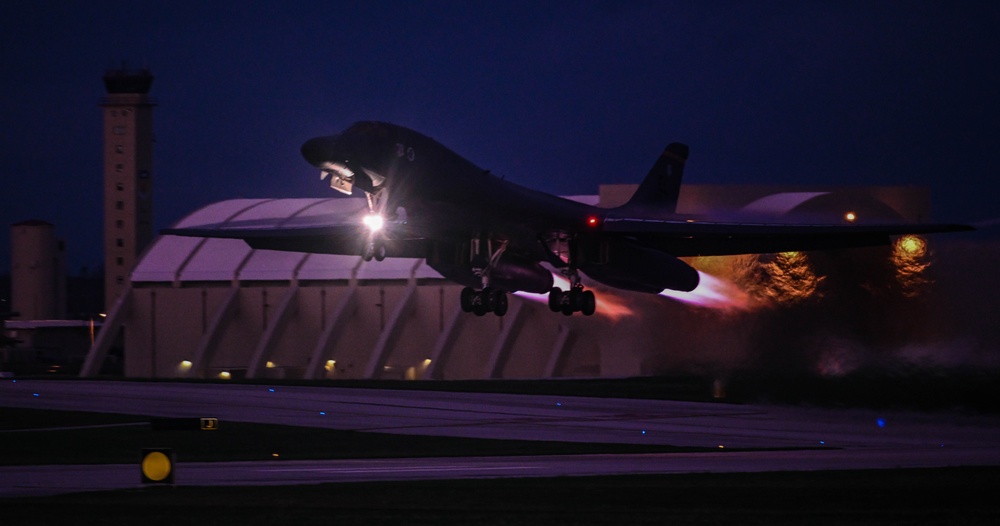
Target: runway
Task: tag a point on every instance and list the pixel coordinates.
(823, 439)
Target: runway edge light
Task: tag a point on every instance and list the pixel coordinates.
(157, 466)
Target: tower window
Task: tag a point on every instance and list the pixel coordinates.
(119, 223)
(119, 242)
(119, 167)
(119, 261)
(119, 186)
(120, 205)
(119, 148)
(119, 279)
(119, 130)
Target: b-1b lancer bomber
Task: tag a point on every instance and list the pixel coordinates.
(495, 237)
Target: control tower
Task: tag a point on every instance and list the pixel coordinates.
(128, 175)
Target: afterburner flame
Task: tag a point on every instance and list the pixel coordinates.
(712, 293)
(612, 306)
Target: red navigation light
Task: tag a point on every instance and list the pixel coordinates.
(593, 221)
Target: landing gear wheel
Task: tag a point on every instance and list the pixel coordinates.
(480, 302)
(489, 298)
(576, 299)
(467, 299)
(374, 249)
(588, 303)
(500, 303)
(555, 299)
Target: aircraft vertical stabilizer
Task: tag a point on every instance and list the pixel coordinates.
(662, 184)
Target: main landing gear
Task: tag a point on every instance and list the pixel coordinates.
(480, 302)
(574, 300)
(484, 258)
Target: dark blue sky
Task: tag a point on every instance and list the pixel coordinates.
(559, 96)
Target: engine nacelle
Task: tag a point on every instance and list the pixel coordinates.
(521, 275)
(511, 273)
(624, 264)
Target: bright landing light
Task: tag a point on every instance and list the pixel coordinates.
(374, 222)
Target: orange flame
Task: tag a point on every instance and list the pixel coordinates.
(712, 293)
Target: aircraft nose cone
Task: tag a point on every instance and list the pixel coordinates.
(320, 150)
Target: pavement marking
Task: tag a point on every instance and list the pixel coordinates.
(399, 469)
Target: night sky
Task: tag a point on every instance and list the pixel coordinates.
(558, 96)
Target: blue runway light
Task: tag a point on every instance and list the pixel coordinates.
(644, 431)
(322, 413)
(34, 394)
(558, 404)
(271, 390)
(881, 422)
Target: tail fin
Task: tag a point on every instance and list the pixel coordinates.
(663, 182)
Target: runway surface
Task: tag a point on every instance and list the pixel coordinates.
(824, 439)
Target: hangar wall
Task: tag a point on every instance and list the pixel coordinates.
(392, 329)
